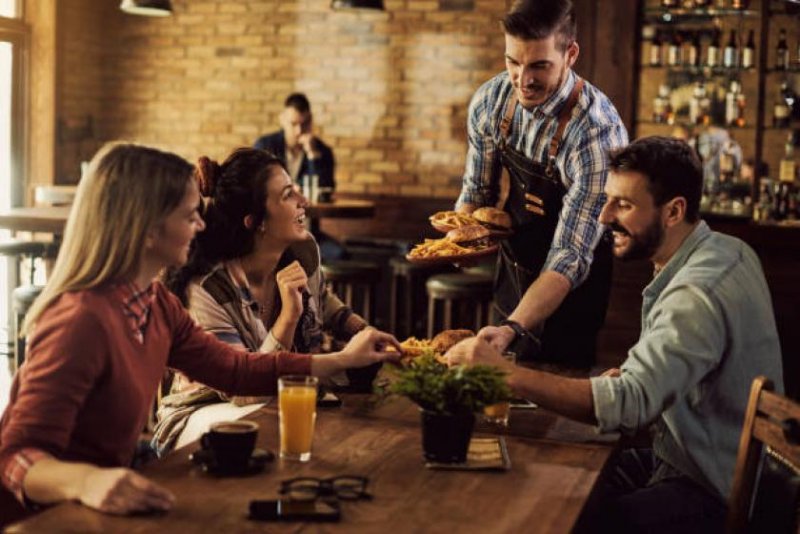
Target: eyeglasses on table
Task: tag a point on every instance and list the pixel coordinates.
(345, 487)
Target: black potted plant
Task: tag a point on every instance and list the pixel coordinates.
(448, 398)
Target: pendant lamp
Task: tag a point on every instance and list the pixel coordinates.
(149, 8)
(358, 4)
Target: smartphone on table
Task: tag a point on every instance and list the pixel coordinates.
(288, 510)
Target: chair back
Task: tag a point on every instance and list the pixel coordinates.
(766, 483)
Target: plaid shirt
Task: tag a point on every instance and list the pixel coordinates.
(136, 304)
(582, 161)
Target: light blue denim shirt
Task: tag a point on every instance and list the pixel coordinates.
(708, 330)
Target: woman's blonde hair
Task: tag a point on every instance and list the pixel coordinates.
(127, 191)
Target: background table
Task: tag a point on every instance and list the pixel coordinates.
(554, 464)
(52, 219)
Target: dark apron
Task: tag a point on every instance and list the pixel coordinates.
(534, 202)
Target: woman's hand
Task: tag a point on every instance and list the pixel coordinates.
(122, 491)
(292, 280)
(366, 347)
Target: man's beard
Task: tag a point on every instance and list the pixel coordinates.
(546, 92)
(642, 246)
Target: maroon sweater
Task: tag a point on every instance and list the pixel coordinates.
(85, 390)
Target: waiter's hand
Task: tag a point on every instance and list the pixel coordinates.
(497, 336)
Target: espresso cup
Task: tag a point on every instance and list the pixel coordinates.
(231, 443)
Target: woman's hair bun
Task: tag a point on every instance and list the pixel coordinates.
(206, 173)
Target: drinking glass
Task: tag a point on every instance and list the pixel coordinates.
(497, 414)
(297, 410)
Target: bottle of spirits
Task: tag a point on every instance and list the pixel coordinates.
(669, 3)
(655, 51)
(731, 104)
(693, 58)
(782, 52)
(788, 166)
(730, 52)
(712, 54)
(741, 104)
(749, 51)
(702, 4)
(674, 51)
(662, 108)
(739, 4)
(697, 104)
(781, 113)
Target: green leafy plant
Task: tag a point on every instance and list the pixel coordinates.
(453, 390)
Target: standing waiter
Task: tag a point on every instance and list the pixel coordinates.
(551, 131)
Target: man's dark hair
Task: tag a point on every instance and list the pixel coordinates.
(533, 20)
(671, 166)
(299, 102)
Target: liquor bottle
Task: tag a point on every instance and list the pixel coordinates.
(781, 112)
(696, 104)
(693, 58)
(729, 54)
(788, 167)
(782, 52)
(662, 108)
(731, 105)
(702, 3)
(749, 51)
(741, 104)
(765, 208)
(712, 54)
(669, 3)
(739, 4)
(674, 51)
(655, 51)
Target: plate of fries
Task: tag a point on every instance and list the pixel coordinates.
(436, 251)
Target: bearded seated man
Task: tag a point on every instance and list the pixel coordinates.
(708, 330)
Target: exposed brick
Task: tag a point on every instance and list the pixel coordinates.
(389, 90)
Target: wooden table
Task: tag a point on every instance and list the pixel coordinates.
(554, 464)
(52, 219)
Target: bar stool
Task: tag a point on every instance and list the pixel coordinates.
(407, 311)
(346, 278)
(23, 298)
(472, 291)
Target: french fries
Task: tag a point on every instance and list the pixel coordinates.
(451, 219)
(432, 248)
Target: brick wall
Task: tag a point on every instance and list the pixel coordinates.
(389, 90)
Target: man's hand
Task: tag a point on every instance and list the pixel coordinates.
(475, 351)
(308, 142)
(122, 491)
(499, 337)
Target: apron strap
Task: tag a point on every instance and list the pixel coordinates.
(563, 118)
(505, 123)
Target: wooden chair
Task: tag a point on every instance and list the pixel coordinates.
(766, 484)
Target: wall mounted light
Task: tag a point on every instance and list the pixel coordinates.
(149, 8)
(357, 4)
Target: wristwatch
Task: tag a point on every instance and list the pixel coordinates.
(519, 330)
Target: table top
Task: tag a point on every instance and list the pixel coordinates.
(554, 464)
(52, 219)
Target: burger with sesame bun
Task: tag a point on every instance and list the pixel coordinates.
(475, 237)
(493, 218)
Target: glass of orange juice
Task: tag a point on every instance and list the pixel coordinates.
(297, 408)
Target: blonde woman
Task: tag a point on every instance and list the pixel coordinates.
(103, 331)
